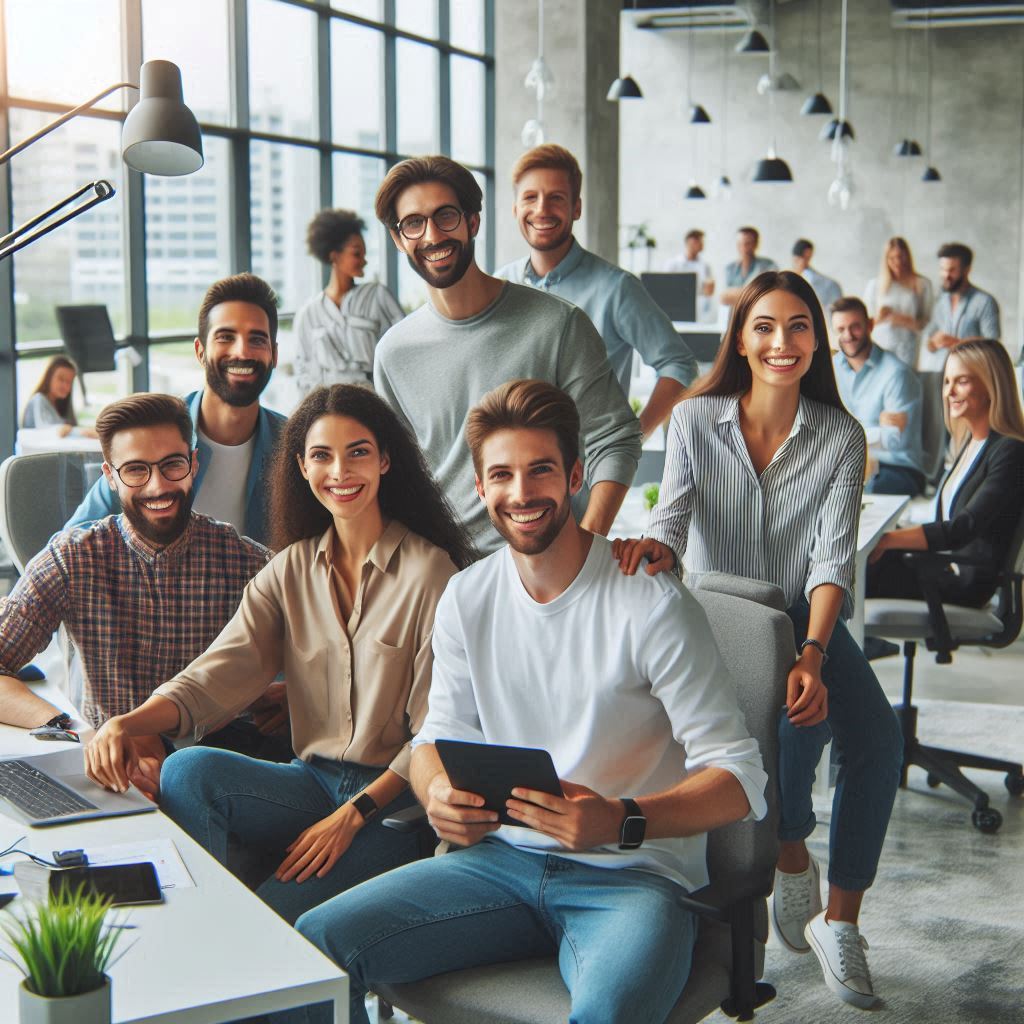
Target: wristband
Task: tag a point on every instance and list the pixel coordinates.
(365, 805)
(817, 645)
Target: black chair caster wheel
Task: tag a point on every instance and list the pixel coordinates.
(1015, 784)
(986, 819)
(934, 781)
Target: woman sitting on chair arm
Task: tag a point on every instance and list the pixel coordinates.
(978, 505)
(366, 546)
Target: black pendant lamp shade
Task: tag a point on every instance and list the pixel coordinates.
(908, 147)
(753, 42)
(695, 192)
(931, 174)
(625, 89)
(698, 115)
(772, 168)
(836, 127)
(816, 104)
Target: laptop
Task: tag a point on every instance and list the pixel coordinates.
(53, 789)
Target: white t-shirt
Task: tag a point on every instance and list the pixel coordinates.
(222, 495)
(615, 677)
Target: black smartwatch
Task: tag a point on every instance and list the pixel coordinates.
(365, 805)
(634, 826)
(61, 721)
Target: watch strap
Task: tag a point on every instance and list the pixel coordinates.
(60, 721)
(365, 805)
(631, 838)
(817, 645)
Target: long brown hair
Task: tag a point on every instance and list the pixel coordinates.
(407, 492)
(730, 373)
(64, 406)
(989, 361)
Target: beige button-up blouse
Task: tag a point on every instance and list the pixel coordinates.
(354, 694)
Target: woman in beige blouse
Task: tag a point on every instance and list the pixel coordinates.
(366, 546)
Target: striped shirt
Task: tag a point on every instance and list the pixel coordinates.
(137, 614)
(794, 526)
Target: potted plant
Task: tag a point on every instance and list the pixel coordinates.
(63, 948)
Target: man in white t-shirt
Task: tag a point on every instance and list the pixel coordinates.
(546, 644)
(690, 262)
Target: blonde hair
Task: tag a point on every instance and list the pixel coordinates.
(989, 361)
(885, 274)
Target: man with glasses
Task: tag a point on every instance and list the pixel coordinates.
(234, 434)
(477, 332)
(141, 594)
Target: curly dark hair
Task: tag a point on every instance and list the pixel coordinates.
(329, 230)
(407, 493)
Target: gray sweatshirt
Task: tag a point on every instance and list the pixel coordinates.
(433, 370)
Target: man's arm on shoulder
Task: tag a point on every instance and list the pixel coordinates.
(611, 433)
(101, 501)
(29, 616)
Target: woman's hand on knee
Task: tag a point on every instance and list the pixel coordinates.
(321, 846)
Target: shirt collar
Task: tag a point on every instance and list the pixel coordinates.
(805, 413)
(149, 551)
(569, 262)
(381, 554)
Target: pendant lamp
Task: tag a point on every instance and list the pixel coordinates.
(817, 103)
(625, 87)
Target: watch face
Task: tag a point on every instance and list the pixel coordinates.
(633, 830)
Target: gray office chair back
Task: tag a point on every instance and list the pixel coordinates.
(934, 439)
(38, 494)
(756, 641)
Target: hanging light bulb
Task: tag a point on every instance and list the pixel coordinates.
(532, 133)
(839, 131)
(841, 191)
(540, 80)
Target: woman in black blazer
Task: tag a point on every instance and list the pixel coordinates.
(980, 501)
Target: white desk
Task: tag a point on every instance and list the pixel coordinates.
(44, 439)
(207, 955)
(879, 513)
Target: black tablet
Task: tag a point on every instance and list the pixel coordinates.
(124, 885)
(493, 771)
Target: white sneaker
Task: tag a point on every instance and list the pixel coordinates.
(796, 899)
(840, 947)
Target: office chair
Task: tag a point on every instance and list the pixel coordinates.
(755, 637)
(934, 438)
(38, 494)
(943, 628)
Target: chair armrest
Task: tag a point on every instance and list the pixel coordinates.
(411, 819)
(929, 568)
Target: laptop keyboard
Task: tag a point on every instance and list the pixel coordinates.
(36, 794)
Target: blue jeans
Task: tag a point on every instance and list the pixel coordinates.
(624, 944)
(213, 794)
(869, 745)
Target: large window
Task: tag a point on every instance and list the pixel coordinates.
(303, 104)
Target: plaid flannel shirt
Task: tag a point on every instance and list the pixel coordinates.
(137, 614)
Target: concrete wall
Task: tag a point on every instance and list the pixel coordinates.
(978, 99)
(581, 41)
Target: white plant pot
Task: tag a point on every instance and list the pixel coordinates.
(86, 1008)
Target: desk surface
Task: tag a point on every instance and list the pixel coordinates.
(210, 954)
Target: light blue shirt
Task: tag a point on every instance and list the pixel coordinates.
(884, 384)
(976, 316)
(734, 276)
(827, 290)
(625, 315)
(101, 501)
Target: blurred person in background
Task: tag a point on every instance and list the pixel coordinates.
(899, 301)
(51, 405)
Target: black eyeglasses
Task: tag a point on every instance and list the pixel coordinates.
(137, 473)
(446, 218)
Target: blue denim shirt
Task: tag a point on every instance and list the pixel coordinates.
(625, 315)
(884, 384)
(101, 501)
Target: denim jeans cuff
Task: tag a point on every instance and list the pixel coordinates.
(794, 835)
(851, 883)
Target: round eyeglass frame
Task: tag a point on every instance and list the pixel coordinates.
(441, 210)
(159, 464)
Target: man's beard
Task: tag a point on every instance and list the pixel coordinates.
(536, 543)
(863, 346)
(168, 531)
(953, 286)
(553, 243)
(454, 274)
(240, 393)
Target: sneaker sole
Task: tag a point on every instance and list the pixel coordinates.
(777, 932)
(847, 995)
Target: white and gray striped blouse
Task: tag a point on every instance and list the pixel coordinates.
(794, 526)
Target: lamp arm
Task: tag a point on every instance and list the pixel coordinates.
(74, 112)
(103, 191)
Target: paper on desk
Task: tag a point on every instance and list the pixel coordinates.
(162, 853)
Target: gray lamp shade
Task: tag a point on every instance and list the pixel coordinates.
(834, 128)
(816, 104)
(160, 134)
(695, 192)
(931, 174)
(772, 169)
(698, 115)
(908, 147)
(625, 89)
(753, 42)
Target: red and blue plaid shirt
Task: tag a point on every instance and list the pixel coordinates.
(137, 614)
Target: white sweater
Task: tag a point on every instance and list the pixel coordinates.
(618, 678)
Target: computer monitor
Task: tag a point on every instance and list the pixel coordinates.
(675, 293)
(88, 337)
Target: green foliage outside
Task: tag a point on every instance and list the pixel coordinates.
(651, 493)
(63, 947)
